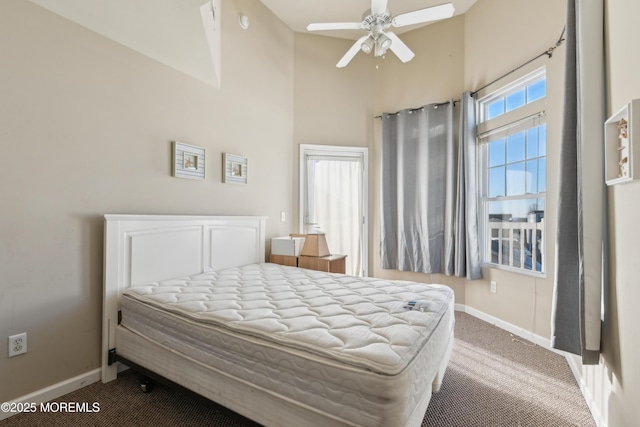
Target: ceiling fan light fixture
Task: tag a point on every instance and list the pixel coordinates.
(367, 45)
(384, 42)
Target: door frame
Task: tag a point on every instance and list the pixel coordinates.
(338, 151)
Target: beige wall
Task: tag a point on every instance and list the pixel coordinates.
(435, 74)
(86, 127)
(498, 38)
(615, 383)
(333, 106)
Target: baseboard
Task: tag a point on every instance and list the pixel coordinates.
(595, 412)
(56, 390)
(511, 328)
(542, 342)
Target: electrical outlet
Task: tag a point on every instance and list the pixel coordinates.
(17, 344)
(494, 287)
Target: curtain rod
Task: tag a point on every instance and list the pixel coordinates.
(548, 52)
(436, 105)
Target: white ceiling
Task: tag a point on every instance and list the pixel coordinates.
(172, 32)
(297, 14)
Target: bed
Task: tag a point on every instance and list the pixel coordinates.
(191, 299)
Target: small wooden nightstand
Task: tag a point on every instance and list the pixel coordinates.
(329, 263)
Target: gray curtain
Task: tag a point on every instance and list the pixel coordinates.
(580, 240)
(425, 194)
(467, 248)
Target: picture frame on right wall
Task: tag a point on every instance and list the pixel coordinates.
(620, 144)
(234, 169)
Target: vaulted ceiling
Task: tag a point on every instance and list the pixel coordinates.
(171, 31)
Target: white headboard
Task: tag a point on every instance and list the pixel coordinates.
(147, 248)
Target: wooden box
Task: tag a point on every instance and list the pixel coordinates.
(290, 260)
(330, 263)
(315, 245)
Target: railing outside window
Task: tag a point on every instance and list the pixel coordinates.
(517, 244)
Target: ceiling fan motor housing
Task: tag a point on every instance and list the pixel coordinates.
(376, 23)
(376, 26)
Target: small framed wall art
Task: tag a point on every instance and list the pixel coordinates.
(234, 169)
(188, 161)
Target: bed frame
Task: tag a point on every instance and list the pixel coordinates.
(146, 248)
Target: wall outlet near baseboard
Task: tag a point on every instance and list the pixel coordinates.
(494, 287)
(17, 344)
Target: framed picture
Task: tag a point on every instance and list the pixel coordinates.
(234, 169)
(188, 161)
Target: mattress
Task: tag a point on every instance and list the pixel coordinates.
(362, 350)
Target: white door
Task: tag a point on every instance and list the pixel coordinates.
(333, 197)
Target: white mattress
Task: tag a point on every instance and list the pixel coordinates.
(343, 346)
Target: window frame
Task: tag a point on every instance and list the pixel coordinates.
(505, 91)
(523, 118)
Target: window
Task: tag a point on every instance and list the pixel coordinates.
(513, 168)
(527, 90)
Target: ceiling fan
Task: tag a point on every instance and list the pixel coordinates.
(376, 21)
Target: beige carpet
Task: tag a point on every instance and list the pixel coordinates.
(493, 379)
(496, 379)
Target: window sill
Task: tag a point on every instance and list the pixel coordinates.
(536, 274)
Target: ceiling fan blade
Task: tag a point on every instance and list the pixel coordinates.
(335, 26)
(378, 7)
(398, 47)
(424, 15)
(351, 52)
